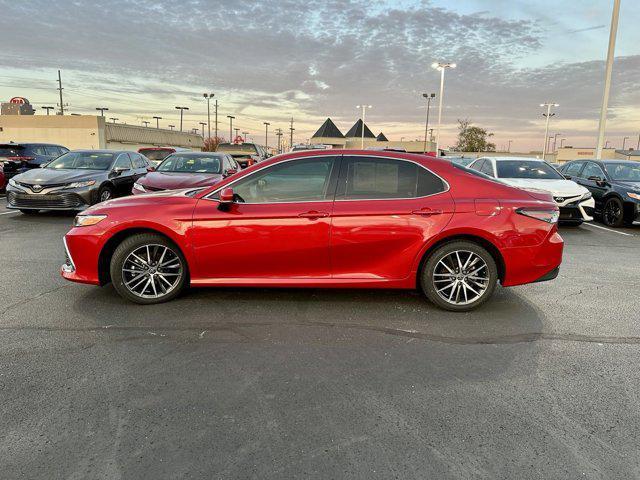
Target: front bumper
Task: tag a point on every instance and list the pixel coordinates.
(76, 199)
(577, 210)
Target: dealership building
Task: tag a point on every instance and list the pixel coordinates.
(330, 134)
(18, 124)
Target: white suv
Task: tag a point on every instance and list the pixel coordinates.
(575, 201)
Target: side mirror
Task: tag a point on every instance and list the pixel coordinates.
(227, 195)
(597, 180)
(231, 171)
(568, 177)
(151, 168)
(119, 170)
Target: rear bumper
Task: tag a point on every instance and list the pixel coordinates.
(533, 264)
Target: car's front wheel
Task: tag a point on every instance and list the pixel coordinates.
(613, 213)
(148, 268)
(459, 276)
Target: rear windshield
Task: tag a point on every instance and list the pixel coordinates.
(191, 164)
(11, 151)
(82, 161)
(156, 155)
(623, 171)
(526, 169)
(232, 148)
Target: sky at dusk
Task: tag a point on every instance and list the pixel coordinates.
(274, 59)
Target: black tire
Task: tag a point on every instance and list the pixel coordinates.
(29, 212)
(123, 253)
(105, 190)
(613, 213)
(432, 274)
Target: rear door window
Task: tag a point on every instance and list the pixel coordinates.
(592, 170)
(381, 178)
(487, 168)
(138, 161)
(477, 165)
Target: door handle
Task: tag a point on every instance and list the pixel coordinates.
(313, 215)
(427, 212)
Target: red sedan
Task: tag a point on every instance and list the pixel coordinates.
(336, 218)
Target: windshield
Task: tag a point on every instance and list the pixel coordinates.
(241, 147)
(82, 161)
(156, 155)
(191, 164)
(623, 171)
(527, 169)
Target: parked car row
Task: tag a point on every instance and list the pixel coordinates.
(16, 158)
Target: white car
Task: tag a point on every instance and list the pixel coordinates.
(575, 201)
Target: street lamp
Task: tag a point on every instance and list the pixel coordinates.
(145, 123)
(101, 110)
(624, 142)
(429, 97)
(441, 66)
(509, 147)
(546, 128)
(202, 124)
(113, 119)
(236, 130)
(157, 119)
(244, 134)
(364, 109)
(562, 140)
(208, 96)
(266, 135)
(230, 117)
(182, 109)
(171, 127)
(48, 109)
(555, 140)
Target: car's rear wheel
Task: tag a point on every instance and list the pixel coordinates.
(613, 213)
(148, 268)
(459, 276)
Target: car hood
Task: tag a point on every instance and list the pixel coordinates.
(627, 184)
(154, 200)
(176, 180)
(51, 176)
(557, 187)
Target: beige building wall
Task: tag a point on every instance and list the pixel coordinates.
(90, 132)
(570, 153)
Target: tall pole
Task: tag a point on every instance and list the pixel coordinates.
(230, 117)
(364, 109)
(548, 115)
(555, 141)
(442, 67)
(145, 123)
(624, 142)
(113, 119)
(509, 148)
(607, 77)
(291, 129)
(60, 91)
(266, 135)
(48, 109)
(236, 130)
(157, 119)
(216, 118)
(102, 110)
(202, 124)
(182, 109)
(171, 127)
(426, 126)
(562, 140)
(208, 96)
(244, 135)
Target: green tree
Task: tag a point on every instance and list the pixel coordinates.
(473, 139)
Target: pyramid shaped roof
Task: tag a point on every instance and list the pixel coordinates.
(356, 130)
(381, 137)
(328, 130)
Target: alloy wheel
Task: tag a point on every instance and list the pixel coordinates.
(152, 271)
(461, 277)
(105, 195)
(612, 212)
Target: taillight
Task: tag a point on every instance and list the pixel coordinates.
(20, 159)
(545, 215)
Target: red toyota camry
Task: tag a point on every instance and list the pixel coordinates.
(336, 218)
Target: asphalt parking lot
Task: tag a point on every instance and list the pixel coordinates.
(541, 382)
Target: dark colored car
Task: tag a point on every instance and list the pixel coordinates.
(157, 154)
(76, 180)
(187, 170)
(16, 158)
(614, 184)
(246, 154)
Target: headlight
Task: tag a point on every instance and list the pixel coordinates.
(13, 183)
(635, 196)
(587, 195)
(137, 186)
(88, 183)
(87, 220)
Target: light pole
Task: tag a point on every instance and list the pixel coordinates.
(555, 140)
(607, 77)
(624, 142)
(442, 66)
(562, 140)
(266, 135)
(509, 147)
(236, 130)
(182, 109)
(429, 97)
(48, 109)
(208, 96)
(606, 144)
(244, 134)
(145, 123)
(171, 127)
(101, 110)
(113, 119)
(549, 142)
(364, 109)
(230, 117)
(157, 119)
(202, 124)
(546, 128)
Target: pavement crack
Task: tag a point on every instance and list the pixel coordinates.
(31, 299)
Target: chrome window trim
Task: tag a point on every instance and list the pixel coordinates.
(446, 184)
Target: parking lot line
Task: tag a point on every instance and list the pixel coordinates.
(7, 213)
(609, 229)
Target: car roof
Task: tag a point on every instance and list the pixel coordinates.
(82, 150)
(499, 159)
(22, 144)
